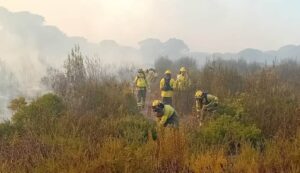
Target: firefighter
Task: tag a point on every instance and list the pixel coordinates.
(141, 85)
(183, 82)
(151, 75)
(167, 86)
(205, 103)
(183, 98)
(166, 114)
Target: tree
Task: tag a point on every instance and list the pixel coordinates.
(74, 68)
(162, 64)
(17, 104)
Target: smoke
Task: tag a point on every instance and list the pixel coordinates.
(28, 47)
(20, 57)
(173, 48)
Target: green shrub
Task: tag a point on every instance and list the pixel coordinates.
(6, 129)
(40, 112)
(225, 130)
(135, 129)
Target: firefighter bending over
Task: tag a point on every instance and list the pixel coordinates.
(205, 103)
(166, 114)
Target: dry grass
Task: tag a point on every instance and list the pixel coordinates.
(258, 130)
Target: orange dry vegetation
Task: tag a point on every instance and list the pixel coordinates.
(91, 124)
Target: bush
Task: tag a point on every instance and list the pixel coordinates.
(40, 112)
(133, 129)
(271, 104)
(225, 130)
(86, 87)
(6, 130)
(91, 123)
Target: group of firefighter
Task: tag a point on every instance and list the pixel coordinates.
(165, 112)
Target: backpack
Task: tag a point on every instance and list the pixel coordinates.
(167, 86)
(139, 78)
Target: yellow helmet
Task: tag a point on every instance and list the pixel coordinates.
(156, 103)
(168, 72)
(182, 69)
(198, 94)
(158, 107)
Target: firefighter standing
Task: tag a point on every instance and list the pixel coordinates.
(141, 85)
(183, 82)
(167, 86)
(183, 96)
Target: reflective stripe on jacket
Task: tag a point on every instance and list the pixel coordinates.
(167, 93)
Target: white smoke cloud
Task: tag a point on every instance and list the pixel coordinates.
(28, 47)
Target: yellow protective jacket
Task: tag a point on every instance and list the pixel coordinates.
(169, 111)
(141, 82)
(167, 92)
(182, 82)
(211, 99)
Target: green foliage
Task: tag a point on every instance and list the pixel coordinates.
(226, 130)
(233, 106)
(39, 111)
(135, 129)
(91, 123)
(6, 129)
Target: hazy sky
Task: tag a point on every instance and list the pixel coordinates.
(205, 25)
